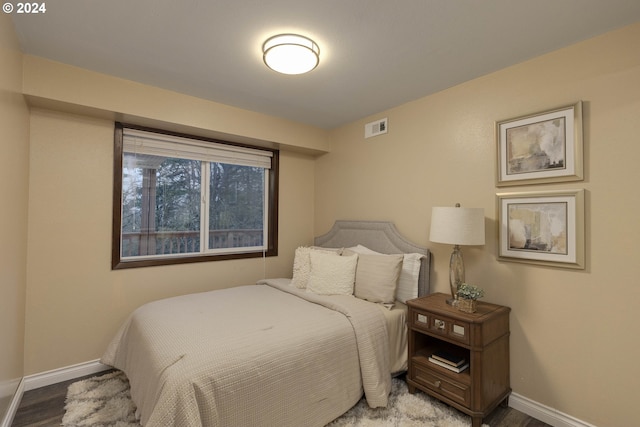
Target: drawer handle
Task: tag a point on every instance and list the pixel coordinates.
(437, 383)
(439, 324)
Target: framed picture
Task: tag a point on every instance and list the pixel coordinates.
(544, 228)
(541, 148)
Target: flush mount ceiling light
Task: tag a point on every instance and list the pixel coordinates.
(291, 54)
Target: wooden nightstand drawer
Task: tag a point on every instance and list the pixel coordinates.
(454, 390)
(459, 331)
(454, 329)
(421, 320)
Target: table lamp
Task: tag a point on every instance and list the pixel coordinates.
(457, 226)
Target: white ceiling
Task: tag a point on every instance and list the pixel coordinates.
(374, 54)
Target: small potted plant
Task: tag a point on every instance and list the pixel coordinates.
(467, 296)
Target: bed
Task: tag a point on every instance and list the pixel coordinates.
(296, 351)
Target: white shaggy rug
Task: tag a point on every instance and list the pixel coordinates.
(105, 401)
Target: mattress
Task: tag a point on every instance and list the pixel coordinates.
(396, 321)
(266, 354)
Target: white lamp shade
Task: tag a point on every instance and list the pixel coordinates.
(457, 226)
(291, 54)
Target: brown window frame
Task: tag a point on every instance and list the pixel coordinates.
(118, 263)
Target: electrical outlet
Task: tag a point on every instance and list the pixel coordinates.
(376, 128)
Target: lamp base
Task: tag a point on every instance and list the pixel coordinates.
(456, 272)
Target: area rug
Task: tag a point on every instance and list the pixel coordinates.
(105, 401)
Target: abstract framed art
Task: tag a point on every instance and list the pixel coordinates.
(541, 148)
(545, 228)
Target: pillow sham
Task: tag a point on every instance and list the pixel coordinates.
(302, 264)
(408, 281)
(331, 274)
(377, 277)
(359, 249)
(320, 248)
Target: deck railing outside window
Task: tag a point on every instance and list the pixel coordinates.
(182, 242)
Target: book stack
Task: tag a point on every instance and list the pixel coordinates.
(450, 361)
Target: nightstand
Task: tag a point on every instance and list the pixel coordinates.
(482, 338)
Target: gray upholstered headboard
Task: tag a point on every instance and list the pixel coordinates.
(380, 236)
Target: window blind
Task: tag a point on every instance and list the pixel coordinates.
(155, 144)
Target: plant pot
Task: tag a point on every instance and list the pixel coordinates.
(467, 305)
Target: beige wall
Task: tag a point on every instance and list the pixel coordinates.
(63, 87)
(573, 339)
(14, 169)
(75, 302)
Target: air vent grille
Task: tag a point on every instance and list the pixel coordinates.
(376, 128)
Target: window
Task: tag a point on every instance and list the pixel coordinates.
(181, 199)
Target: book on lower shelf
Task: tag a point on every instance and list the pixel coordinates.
(450, 358)
(456, 369)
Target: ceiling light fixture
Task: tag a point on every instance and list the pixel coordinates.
(291, 54)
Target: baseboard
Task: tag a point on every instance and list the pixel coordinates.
(63, 374)
(31, 382)
(544, 413)
(13, 406)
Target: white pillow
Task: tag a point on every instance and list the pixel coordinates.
(302, 265)
(359, 249)
(377, 277)
(332, 275)
(408, 281)
(320, 248)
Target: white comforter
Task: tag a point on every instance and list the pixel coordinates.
(261, 355)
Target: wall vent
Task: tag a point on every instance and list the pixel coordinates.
(376, 128)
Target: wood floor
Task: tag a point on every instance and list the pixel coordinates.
(44, 407)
